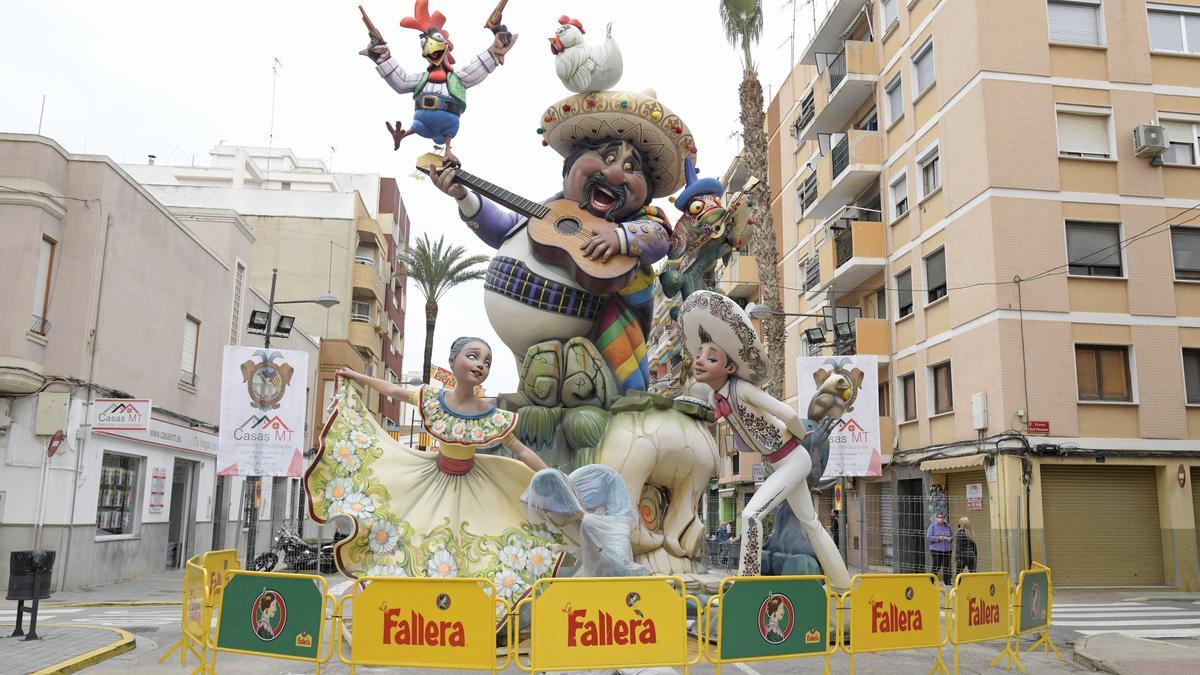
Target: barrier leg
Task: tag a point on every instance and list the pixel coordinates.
(956, 659)
(939, 666)
(1046, 644)
(1009, 657)
(851, 663)
(182, 654)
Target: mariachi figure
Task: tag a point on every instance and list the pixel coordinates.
(448, 513)
(440, 91)
(728, 357)
(620, 150)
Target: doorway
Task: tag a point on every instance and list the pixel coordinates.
(182, 528)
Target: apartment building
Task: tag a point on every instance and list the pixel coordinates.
(393, 220)
(322, 231)
(110, 294)
(965, 189)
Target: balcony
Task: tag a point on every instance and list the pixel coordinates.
(871, 337)
(849, 167)
(740, 278)
(827, 39)
(848, 80)
(364, 335)
(852, 255)
(366, 278)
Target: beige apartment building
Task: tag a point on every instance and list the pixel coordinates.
(324, 232)
(108, 294)
(959, 181)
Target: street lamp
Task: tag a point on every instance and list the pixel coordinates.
(764, 312)
(260, 324)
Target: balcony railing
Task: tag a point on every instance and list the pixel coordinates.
(808, 108)
(40, 325)
(837, 71)
(843, 246)
(841, 156)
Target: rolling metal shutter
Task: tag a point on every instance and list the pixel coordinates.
(1101, 525)
(981, 521)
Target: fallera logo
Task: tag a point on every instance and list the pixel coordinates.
(607, 631)
(893, 619)
(263, 429)
(980, 613)
(417, 631)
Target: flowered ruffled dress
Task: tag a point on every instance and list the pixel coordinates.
(445, 513)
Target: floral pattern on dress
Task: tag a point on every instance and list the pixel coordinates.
(343, 482)
(482, 430)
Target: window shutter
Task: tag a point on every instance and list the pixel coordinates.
(1191, 374)
(1185, 242)
(1192, 27)
(1093, 244)
(1083, 134)
(925, 72)
(889, 13)
(1074, 23)
(1179, 131)
(191, 337)
(1166, 32)
(935, 269)
(895, 99)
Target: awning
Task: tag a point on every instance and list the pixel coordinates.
(960, 462)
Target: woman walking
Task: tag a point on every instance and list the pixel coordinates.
(964, 547)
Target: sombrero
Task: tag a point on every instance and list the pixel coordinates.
(639, 118)
(727, 326)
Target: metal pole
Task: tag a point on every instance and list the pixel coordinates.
(252, 512)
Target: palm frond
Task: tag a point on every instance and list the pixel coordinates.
(436, 267)
(742, 21)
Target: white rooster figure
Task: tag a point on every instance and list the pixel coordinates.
(582, 67)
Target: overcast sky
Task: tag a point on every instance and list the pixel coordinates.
(172, 78)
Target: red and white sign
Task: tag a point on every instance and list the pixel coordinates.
(974, 496)
(121, 414)
(158, 489)
(1039, 426)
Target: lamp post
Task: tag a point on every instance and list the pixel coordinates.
(260, 324)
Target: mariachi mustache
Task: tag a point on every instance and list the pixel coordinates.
(597, 180)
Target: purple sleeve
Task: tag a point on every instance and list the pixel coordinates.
(647, 240)
(492, 224)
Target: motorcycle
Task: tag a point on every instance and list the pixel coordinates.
(298, 554)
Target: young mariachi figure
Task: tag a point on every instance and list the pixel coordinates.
(728, 357)
(449, 513)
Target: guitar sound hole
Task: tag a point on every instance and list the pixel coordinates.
(567, 226)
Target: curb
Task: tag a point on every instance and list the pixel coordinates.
(1078, 657)
(124, 643)
(117, 603)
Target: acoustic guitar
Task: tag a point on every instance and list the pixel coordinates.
(557, 231)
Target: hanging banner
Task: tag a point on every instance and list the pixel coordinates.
(158, 489)
(263, 407)
(845, 388)
(772, 618)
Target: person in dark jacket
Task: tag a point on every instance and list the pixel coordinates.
(964, 547)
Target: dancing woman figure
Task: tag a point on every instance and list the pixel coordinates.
(728, 357)
(451, 512)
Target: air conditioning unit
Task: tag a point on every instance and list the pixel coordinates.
(1149, 140)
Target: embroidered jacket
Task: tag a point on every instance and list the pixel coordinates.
(761, 422)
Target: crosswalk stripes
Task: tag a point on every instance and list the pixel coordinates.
(1139, 619)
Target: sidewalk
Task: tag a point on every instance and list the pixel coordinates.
(62, 648)
(1128, 655)
(165, 588)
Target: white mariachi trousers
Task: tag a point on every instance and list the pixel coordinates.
(789, 483)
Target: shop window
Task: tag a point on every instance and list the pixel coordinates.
(1103, 373)
(118, 501)
(1093, 249)
(1185, 248)
(943, 388)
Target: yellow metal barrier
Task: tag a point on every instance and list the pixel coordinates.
(769, 618)
(202, 579)
(626, 622)
(981, 610)
(1033, 604)
(272, 614)
(423, 623)
(892, 612)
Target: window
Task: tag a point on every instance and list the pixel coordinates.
(360, 311)
(191, 341)
(908, 394)
(1174, 28)
(1075, 22)
(943, 388)
(1084, 132)
(885, 399)
(899, 189)
(870, 122)
(812, 273)
(806, 194)
(41, 288)
(935, 275)
(931, 171)
(881, 304)
(235, 325)
(1094, 249)
(120, 483)
(1191, 375)
(808, 109)
(735, 464)
(904, 299)
(1183, 139)
(890, 15)
(1103, 373)
(1185, 248)
(923, 67)
(895, 100)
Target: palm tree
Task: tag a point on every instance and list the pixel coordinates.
(743, 23)
(436, 268)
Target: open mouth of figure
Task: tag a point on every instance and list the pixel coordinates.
(556, 46)
(603, 199)
(436, 57)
